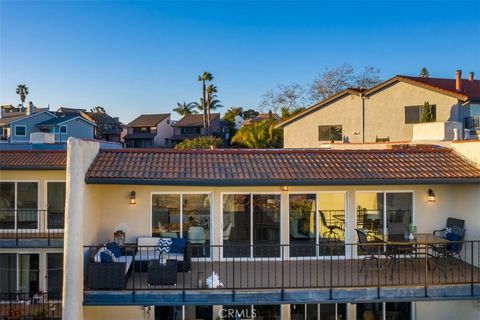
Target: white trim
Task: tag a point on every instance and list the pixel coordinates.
(74, 118)
(32, 115)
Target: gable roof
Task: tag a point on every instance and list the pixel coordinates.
(59, 120)
(32, 160)
(11, 117)
(148, 120)
(194, 120)
(255, 167)
(470, 89)
(321, 104)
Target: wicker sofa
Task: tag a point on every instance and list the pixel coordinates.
(111, 275)
(147, 250)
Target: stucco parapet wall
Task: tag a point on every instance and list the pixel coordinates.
(470, 149)
(437, 131)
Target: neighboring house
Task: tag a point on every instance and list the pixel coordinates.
(17, 127)
(32, 207)
(191, 126)
(149, 130)
(387, 112)
(107, 128)
(261, 117)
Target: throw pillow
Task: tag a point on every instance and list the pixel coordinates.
(165, 244)
(105, 257)
(454, 235)
(178, 245)
(446, 232)
(115, 249)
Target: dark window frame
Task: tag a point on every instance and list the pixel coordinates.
(24, 132)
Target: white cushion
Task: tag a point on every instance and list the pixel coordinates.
(128, 261)
(146, 255)
(147, 241)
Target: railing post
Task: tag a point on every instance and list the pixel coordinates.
(471, 268)
(282, 257)
(233, 285)
(426, 268)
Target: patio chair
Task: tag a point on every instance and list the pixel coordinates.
(196, 235)
(450, 253)
(373, 252)
(397, 230)
(331, 233)
(451, 222)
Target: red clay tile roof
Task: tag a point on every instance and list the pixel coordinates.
(280, 167)
(470, 89)
(33, 160)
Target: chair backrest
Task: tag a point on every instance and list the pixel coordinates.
(454, 222)
(322, 216)
(226, 232)
(396, 228)
(362, 238)
(196, 233)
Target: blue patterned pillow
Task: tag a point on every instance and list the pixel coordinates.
(114, 248)
(105, 257)
(178, 245)
(165, 244)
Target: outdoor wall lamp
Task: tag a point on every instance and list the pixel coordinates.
(284, 188)
(133, 197)
(431, 197)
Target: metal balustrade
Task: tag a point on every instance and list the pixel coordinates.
(23, 306)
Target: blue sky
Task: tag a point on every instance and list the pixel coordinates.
(143, 57)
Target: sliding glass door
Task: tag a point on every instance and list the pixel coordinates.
(317, 224)
(251, 225)
(380, 213)
(56, 205)
(19, 205)
(185, 215)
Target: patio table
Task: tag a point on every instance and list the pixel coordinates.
(402, 246)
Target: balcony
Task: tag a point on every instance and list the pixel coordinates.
(31, 228)
(30, 306)
(472, 122)
(328, 272)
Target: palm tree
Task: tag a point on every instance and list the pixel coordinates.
(259, 134)
(186, 108)
(22, 91)
(206, 76)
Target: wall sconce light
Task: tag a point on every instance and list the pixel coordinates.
(133, 197)
(284, 188)
(431, 197)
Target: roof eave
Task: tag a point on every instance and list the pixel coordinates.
(251, 182)
(32, 168)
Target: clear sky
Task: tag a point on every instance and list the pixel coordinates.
(143, 57)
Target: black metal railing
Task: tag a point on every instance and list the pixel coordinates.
(31, 224)
(25, 306)
(472, 122)
(330, 264)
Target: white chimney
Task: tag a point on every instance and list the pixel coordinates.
(29, 108)
(2, 113)
(458, 80)
(470, 76)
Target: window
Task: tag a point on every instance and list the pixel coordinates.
(330, 133)
(61, 129)
(55, 205)
(19, 273)
(20, 130)
(191, 130)
(413, 114)
(332, 311)
(184, 216)
(18, 205)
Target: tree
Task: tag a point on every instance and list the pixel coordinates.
(424, 73)
(284, 98)
(206, 76)
(212, 101)
(205, 142)
(22, 91)
(427, 113)
(332, 81)
(249, 114)
(261, 134)
(232, 113)
(185, 108)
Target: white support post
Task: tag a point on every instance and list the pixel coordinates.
(80, 155)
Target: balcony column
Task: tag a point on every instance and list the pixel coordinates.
(80, 155)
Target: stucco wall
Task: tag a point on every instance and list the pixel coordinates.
(447, 310)
(116, 312)
(77, 129)
(469, 149)
(385, 110)
(164, 131)
(114, 207)
(347, 111)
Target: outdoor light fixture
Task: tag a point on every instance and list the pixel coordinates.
(431, 197)
(133, 197)
(284, 188)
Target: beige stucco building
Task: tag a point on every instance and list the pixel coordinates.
(387, 112)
